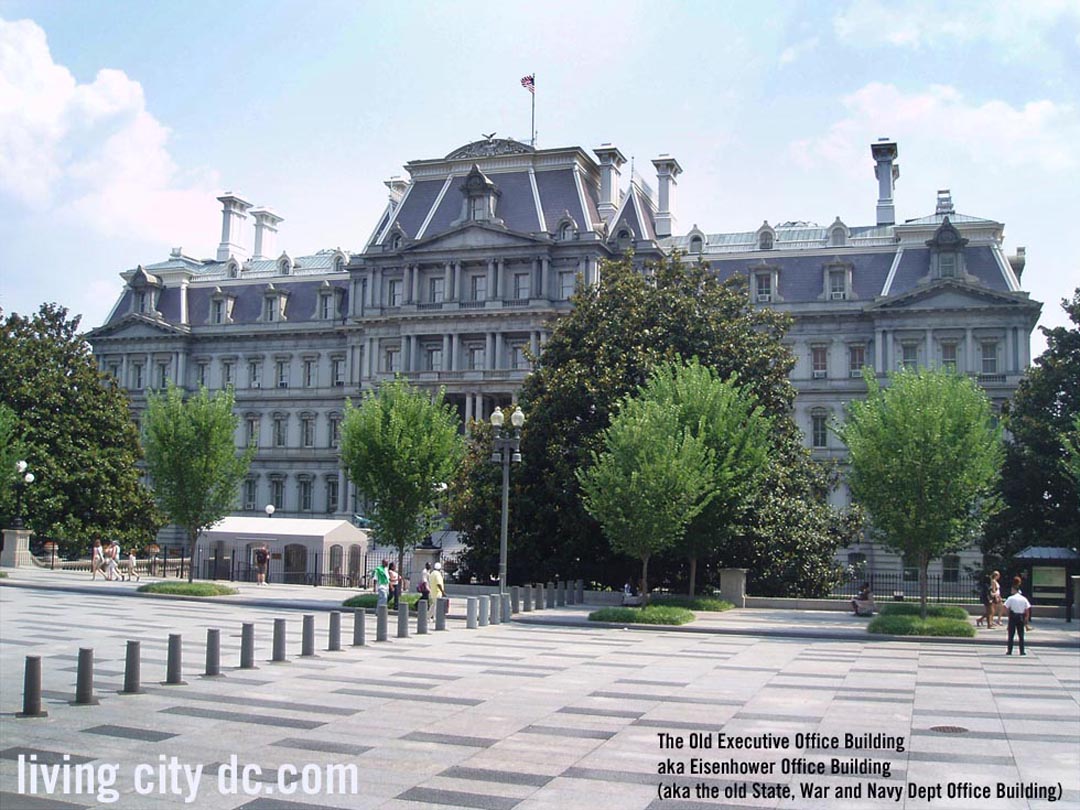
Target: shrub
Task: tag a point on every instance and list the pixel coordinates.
(706, 603)
(188, 589)
(651, 614)
(369, 600)
(932, 611)
(906, 625)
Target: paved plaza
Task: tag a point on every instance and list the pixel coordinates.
(526, 715)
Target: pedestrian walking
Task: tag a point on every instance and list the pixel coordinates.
(97, 559)
(395, 584)
(112, 553)
(382, 584)
(436, 586)
(262, 562)
(995, 597)
(132, 567)
(1019, 611)
(988, 605)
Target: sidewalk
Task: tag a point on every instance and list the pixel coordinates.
(758, 622)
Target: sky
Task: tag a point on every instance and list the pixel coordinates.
(120, 122)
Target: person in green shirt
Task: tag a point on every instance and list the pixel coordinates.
(382, 583)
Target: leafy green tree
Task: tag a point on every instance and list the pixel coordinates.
(652, 478)
(1040, 497)
(471, 493)
(728, 420)
(398, 446)
(1072, 445)
(604, 349)
(191, 455)
(10, 455)
(925, 459)
(77, 435)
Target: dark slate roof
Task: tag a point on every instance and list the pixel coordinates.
(637, 212)
(123, 306)
(981, 263)
(558, 193)
(802, 279)
(516, 206)
(301, 305)
(412, 213)
(168, 304)
(449, 209)
(978, 261)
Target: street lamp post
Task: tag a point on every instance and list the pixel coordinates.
(504, 450)
(24, 479)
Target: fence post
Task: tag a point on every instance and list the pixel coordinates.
(506, 608)
(32, 688)
(515, 599)
(539, 595)
(494, 608)
(526, 599)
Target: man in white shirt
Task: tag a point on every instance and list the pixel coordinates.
(1019, 609)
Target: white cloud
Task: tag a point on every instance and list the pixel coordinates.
(798, 50)
(1040, 134)
(91, 152)
(1017, 28)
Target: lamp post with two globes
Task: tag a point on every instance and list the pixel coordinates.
(506, 449)
(24, 479)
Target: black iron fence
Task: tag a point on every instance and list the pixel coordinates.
(950, 587)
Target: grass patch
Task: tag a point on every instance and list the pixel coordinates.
(369, 600)
(932, 611)
(907, 625)
(651, 614)
(188, 589)
(707, 603)
(3, 574)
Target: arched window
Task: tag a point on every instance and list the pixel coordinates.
(623, 239)
(566, 232)
(765, 240)
(395, 241)
(695, 244)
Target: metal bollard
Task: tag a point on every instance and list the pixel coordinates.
(483, 602)
(549, 595)
(403, 619)
(358, 628)
(505, 613)
(279, 642)
(382, 619)
(494, 608)
(580, 592)
(247, 646)
(213, 653)
(32, 688)
(421, 617)
(307, 643)
(515, 599)
(570, 591)
(540, 596)
(472, 608)
(84, 679)
(333, 644)
(560, 593)
(526, 599)
(175, 666)
(441, 605)
(132, 669)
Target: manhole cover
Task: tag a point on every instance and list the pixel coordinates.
(948, 729)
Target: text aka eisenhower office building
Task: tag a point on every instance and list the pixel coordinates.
(478, 251)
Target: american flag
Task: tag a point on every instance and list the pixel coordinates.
(529, 82)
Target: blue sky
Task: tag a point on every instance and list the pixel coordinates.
(121, 121)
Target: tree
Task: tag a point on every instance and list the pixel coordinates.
(77, 435)
(728, 420)
(925, 458)
(1040, 498)
(398, 446)
(192, 458)
(471, 493)
(1072, 446)
(10, 455)
(652, 478)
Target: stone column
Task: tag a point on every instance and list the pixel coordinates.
(478, 407)
(457, 280)
(545, 277)
(929, 348)
(489, 351)
(733, 586)
(452, 363)
(534, 343)
(416, 284)
(446, 353)
(16, 551)
(448, 281)
(496, 360)
(491, 276)
(969, 352)
(469, 416)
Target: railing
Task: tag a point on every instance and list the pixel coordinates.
(471, 304)
(959, 587)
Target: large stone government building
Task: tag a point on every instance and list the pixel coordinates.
(476, 254)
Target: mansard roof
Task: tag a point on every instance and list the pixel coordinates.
(637, 211)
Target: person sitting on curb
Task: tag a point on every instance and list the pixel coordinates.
(863, 604)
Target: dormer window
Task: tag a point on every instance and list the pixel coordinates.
(480, 196)
(947, 265)
(145, 291)
(221, 306)
(765, 241)
(696, 244)
(623, 239)
(837, 238)
(836, 279)
(763, 287)
(395, 242)
(141, 299)
(273, 305)
(339, 264)
(946, 252)
(329, 302)
(566, 232)
(285, 265)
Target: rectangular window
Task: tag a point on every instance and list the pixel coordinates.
(947, 265)
(517, 357)
(335, 430)
(478, 288)
(909, 355)
(253, 431)
(950, 568)
(270, 309)
(521, 286)
(281, 368)
(326, 307)
(434, 359)
(277, 493)
(309, 374)
(307, 431)
(136, 376)
(819, 361)
(393, 361)
(162, 375)
(226, 373)
(856, 360)
(200, 375)
(114, 371)
(280, 431)
(989, 357)
(566, 285)
(331, 495)
(838, 285)
(435, 290)
(254, 374)
(337, 370)
(249, 494)
(477, 359)
(948, 356)
(819, 430)
(140, 302)
(393, 293)
(763, 287)
(305, 494)
(219, 312)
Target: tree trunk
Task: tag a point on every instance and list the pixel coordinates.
(693, 575)
(193, 539)
(645, 580)
(924, 564)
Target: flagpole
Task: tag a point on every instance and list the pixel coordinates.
(533, 122)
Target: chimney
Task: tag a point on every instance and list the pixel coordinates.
(944, 202)
(667, 169)
(610, 161)
(266, 222)
(886, 171)
(1018, 261)
(233, 213)
(397, 188)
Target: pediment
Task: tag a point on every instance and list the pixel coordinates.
(951, 294)
(474, 235)
(136, 326)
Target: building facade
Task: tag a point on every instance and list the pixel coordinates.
(475, 256)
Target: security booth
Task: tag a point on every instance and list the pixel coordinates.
(1048, 572)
